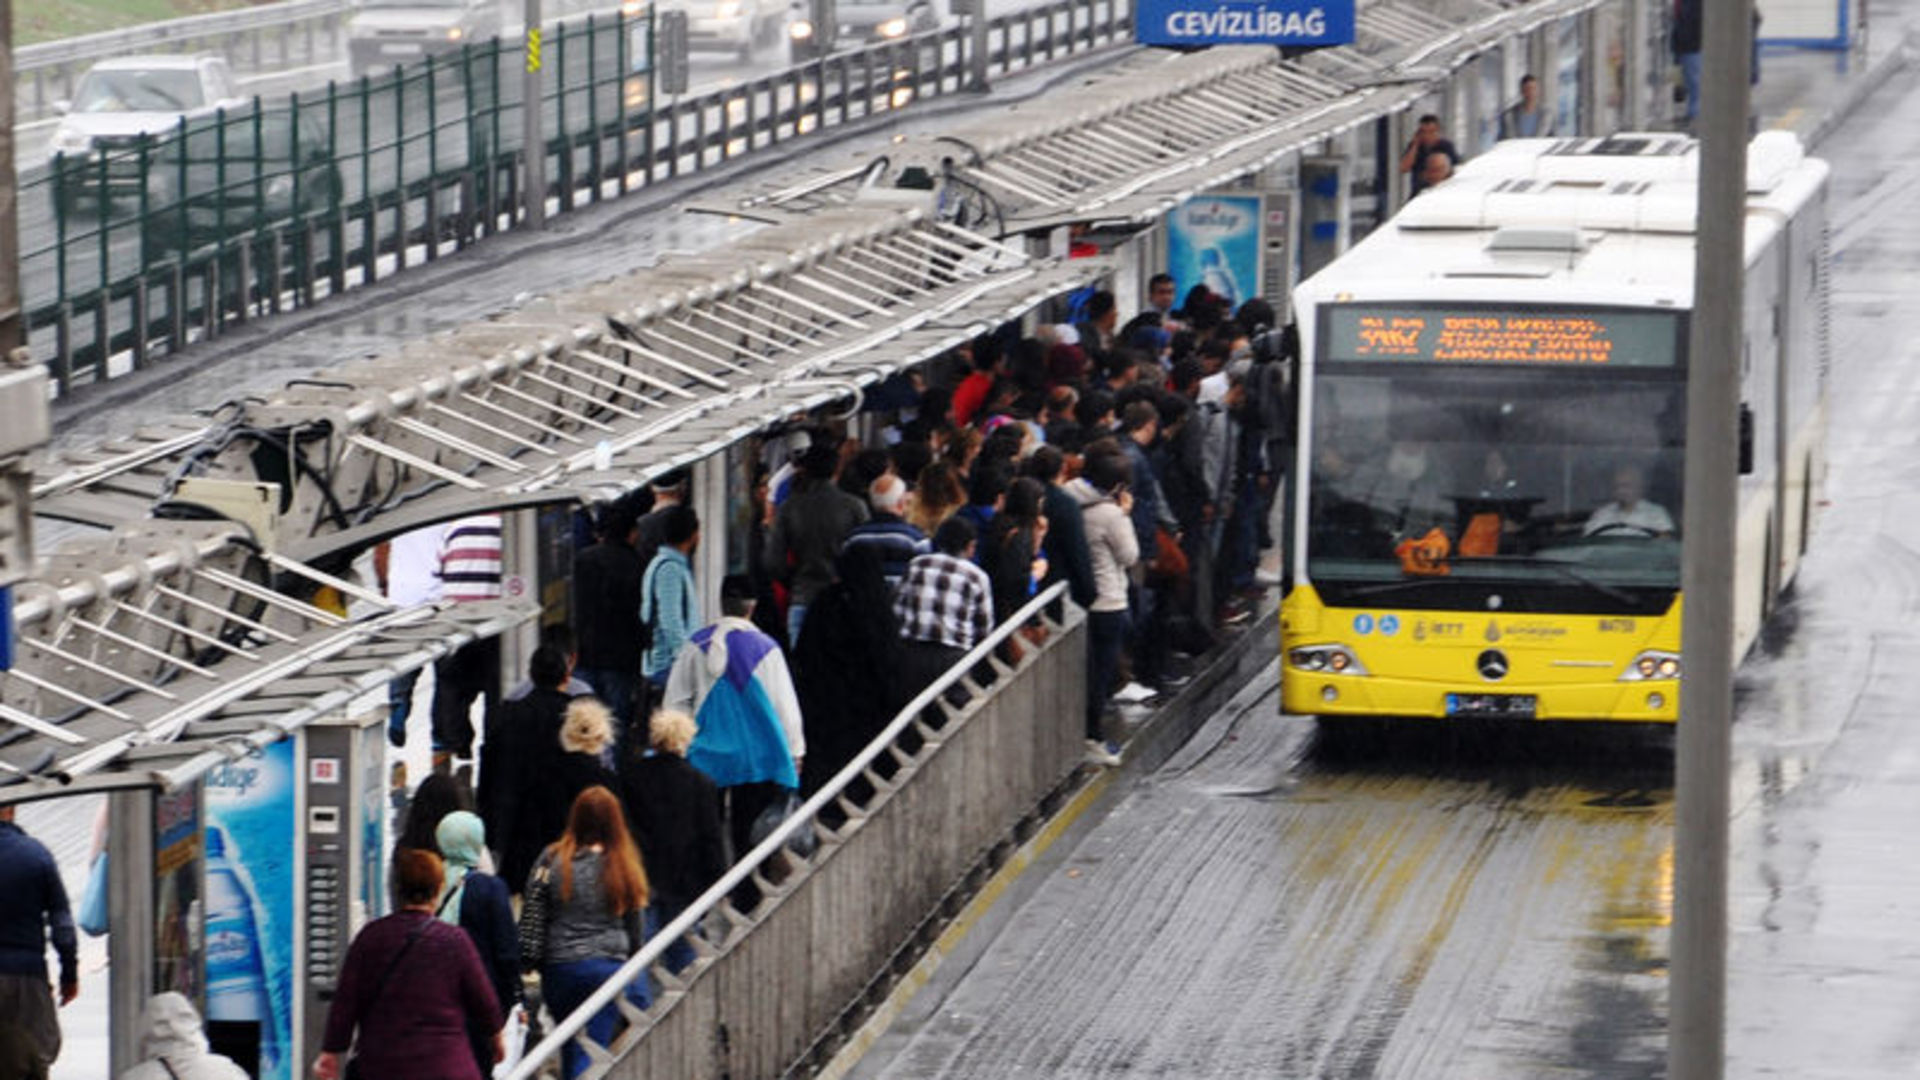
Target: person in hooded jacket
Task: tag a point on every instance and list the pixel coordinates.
(1106, 507)
(173, 1044)
(478, 903)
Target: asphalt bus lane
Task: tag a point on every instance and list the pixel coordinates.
(1271, 903)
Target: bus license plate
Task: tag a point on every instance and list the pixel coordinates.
(1510, 706)
(407, 49)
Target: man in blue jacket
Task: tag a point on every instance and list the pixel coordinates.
(33, 904)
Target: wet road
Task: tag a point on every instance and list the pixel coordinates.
(1269, 904)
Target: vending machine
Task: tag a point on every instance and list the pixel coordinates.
(343, 844)
(294, 852)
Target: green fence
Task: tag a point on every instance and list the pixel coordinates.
(145, 247)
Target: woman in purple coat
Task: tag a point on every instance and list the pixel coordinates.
(410, 987)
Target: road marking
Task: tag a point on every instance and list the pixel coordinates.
(922, 972)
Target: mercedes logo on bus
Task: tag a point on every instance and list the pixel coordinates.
(1492, 664)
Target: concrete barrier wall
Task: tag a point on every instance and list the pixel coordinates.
(784, 975)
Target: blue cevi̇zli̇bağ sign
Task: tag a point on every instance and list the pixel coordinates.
(1243, 22)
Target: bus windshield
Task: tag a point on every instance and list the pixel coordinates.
(1536, 488)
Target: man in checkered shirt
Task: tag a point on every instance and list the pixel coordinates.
(944, 604)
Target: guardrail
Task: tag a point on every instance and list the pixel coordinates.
(269, 37)
(899, 830)
(420, 162)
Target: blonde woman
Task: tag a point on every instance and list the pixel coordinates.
(548, 790)
(675, 812)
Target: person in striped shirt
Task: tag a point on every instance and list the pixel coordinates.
(470, 570)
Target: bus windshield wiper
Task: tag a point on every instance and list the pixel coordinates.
(1561, 569)
(1564, 570)
(1404, 583)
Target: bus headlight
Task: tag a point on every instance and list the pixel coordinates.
(1652, 664)
(800, 30)
(892, 28)
(1328, 659)
(454, 33)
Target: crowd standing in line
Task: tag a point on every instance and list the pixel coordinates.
(650, 745)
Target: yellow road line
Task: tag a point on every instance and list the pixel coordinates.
(921, 974)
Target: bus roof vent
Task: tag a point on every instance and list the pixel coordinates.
(1558, 241)
(1635, 144)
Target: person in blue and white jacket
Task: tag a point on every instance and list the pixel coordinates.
(734, 680)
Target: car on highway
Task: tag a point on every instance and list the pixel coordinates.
(389, 33)
(818, 27)
(734, 26)
(224, 177)
(119, 103)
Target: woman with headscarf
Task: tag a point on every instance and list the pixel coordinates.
(847, 676)
(478, 903)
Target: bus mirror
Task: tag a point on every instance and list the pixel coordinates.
(1746, 439)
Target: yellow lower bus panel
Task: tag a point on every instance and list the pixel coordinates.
(1383, 661)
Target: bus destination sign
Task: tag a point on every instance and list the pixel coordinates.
(1533, 337)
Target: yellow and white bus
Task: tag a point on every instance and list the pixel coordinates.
(1492, 434)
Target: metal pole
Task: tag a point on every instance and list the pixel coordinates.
(1696, 1043)
(534, 152)
(977, 32)
(130, 947)
(1634, 75)
(12, 329)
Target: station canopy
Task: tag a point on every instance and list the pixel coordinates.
(576, 397)
(1134, 140)
(149, 656)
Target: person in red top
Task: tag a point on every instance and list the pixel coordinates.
(409, 988)
(972, 393)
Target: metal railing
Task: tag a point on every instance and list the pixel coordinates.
(270, 37)
(956, 786)
(340, 189)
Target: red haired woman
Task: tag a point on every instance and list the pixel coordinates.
(597, 901)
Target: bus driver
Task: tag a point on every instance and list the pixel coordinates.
(1629, 512)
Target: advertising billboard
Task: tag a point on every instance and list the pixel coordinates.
(250, 851)
(1214, 240)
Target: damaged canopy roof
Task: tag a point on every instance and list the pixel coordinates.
(146, 658)
(588, 394)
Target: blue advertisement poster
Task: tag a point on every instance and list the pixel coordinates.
(1214, 240)
(1298, 23)
(249, 900)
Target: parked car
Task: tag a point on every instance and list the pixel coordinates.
(207, 184)
(385, 33)
(812, 33)
(735, 26)
(118, 103)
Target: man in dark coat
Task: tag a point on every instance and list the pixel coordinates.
(521, 754)
(606, 612)
(807, 532)
(1065, 545)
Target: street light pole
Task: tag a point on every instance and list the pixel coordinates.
(534, 141)
(1696, 1039)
